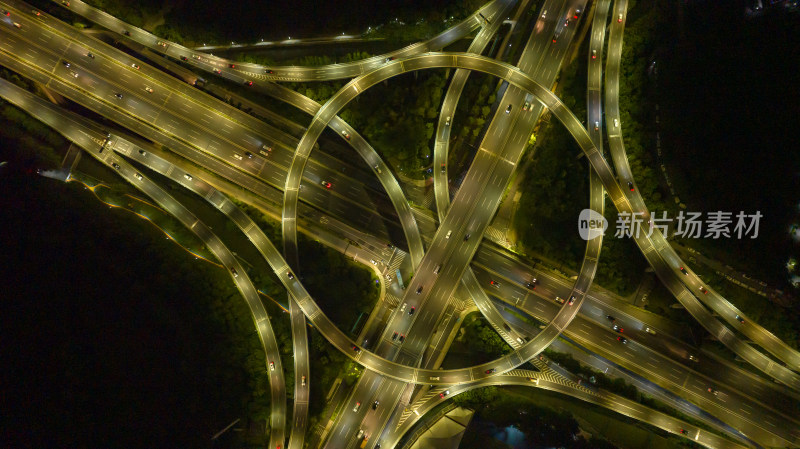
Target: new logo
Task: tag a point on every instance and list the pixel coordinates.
(591, 224)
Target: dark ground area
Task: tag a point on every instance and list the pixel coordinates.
(104, 342)
(730, 104)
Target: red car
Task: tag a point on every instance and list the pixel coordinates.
(248, 83)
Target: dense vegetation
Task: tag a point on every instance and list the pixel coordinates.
(343, 289)
(542, 426)
(482, 338)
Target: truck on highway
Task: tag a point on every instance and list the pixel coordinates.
(364, 442)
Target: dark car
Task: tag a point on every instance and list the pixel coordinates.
(248, 83)
(90, 55)
(394, 336)
(118, 95)
(494, 284)
(126, 32)
(508, 109)
(184, 58)
(683, 270)
(402, 337)
(532, 284)
(375, 405)
(231, 66)
(491, 371)
(611, 318)
(66, 63)
(290, 275)
(466, 237)
(270, 72)
(411, 310)
(630, 186)
(248, 154)
(617, 328)
(571, 300)
(622, 339)
(739, 319)
(419, 290)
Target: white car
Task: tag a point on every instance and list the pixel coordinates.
(448, 234)
(188, 177)
(272, 366)
(148, 89)
(138, 176)
(237, 156)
